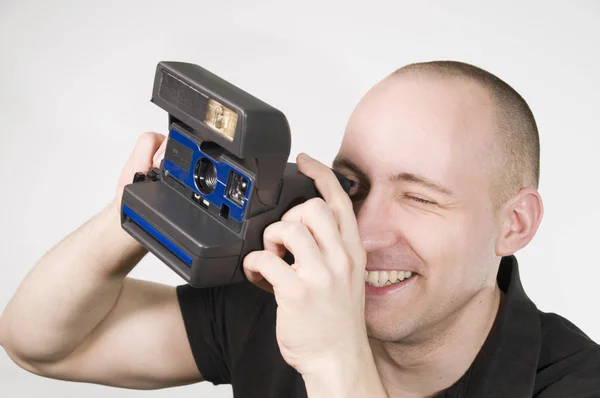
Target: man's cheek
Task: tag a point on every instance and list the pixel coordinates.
(435, 242)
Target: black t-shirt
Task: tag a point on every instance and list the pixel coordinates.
(528, 353)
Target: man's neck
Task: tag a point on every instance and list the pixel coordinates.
(422, 370)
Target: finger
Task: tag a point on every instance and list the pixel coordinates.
(145, 148)
(160, 153)
(338, 200)
(270, 272)
(140, 159)
(296, 238)
(256, 278)
(321, 223)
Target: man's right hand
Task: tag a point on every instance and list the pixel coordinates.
(77, 316)
(148, 152)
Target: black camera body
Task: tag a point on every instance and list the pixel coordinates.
(224, 178)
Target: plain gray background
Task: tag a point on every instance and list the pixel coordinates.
(76, 78)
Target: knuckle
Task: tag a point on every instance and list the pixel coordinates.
(262, 257)
(256, 258)
(146, 136)
(274, 231)
(289, 214)
(297, 229)
(291, 229)
(271, 228)
(317, 205)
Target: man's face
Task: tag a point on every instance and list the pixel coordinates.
(417, 148)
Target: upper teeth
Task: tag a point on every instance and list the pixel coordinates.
(383, 278)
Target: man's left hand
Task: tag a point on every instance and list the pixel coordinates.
(320, 314)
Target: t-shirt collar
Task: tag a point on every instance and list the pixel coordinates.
(507, 363)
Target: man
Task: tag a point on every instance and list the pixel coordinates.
(409, 289)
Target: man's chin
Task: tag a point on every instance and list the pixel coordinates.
(387, 330)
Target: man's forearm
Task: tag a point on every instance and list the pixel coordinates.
(70, 290)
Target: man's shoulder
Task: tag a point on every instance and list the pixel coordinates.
(562, 338)
(569, 359)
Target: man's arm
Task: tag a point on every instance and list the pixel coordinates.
(77, 317)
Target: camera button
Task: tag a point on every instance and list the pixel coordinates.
(139, 176)
(153, 174)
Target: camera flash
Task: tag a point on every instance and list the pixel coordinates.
(221, 118)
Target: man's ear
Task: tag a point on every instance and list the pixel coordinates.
(518, 221)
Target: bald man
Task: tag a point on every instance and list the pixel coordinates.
(407, 287)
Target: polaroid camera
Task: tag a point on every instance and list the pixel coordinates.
(223, 180)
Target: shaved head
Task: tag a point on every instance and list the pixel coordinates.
(515, 153)
(444, 158)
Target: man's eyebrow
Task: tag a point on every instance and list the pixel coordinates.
(342, 162)
(417, 179)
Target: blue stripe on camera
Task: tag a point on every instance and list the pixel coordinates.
(176, 250)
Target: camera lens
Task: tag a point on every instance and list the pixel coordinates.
(206, 176)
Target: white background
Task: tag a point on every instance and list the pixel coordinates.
(76, 78)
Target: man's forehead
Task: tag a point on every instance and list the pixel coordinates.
(426, 99)
(437, 127)
(406, 107)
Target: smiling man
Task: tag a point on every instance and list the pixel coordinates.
(407, 287)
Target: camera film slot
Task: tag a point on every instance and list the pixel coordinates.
(157, 235)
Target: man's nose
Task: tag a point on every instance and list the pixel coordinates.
(375, 225)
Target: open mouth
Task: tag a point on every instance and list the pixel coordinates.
(387, 278)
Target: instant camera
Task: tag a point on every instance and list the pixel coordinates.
(224, 178)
